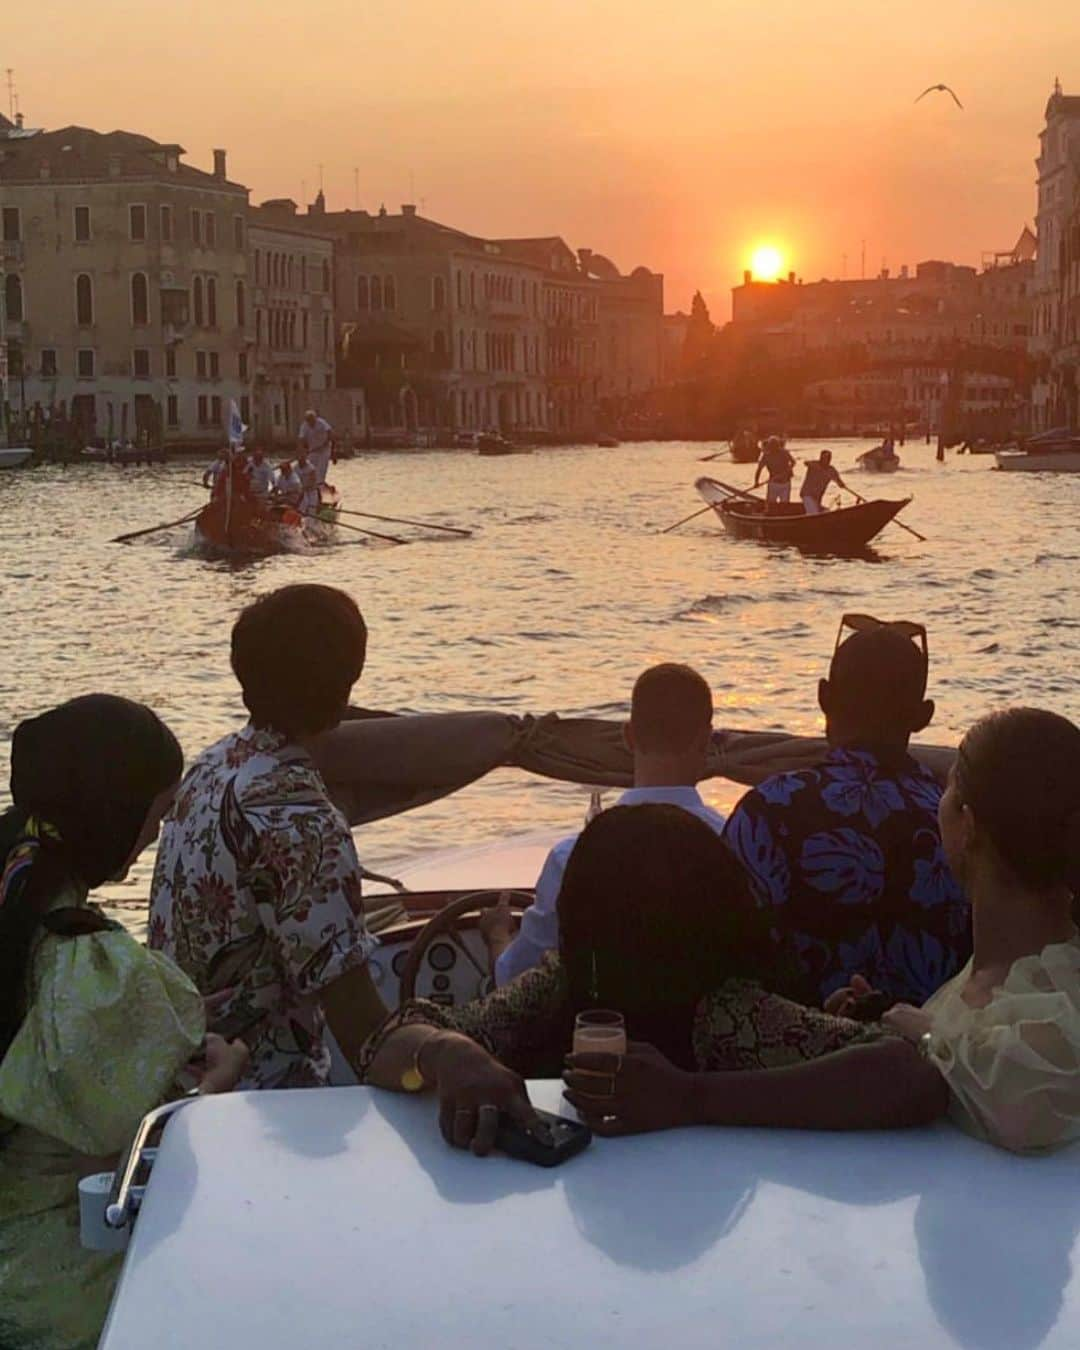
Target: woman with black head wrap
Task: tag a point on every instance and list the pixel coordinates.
(94, 1030)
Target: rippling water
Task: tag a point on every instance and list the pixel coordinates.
(564, 594)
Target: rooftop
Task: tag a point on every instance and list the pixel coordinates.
(78, 154)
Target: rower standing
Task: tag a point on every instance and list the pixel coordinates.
(316, 437)
(213, 474)
(819, 474)
(779, 463)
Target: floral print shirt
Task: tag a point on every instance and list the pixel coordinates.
(256, 895)
(849, 857)
(528, 1025)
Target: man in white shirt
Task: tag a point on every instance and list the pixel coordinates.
(316, 436)
(261, 478)
(669, 731)
(287, 486)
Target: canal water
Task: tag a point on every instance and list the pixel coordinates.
(565, 592)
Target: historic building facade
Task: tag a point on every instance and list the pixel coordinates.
(125, 285)
(295, 337)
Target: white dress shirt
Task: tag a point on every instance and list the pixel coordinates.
(539, 932)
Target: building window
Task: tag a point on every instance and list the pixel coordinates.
(140, 363)
(196, 227)
(210, 230)
(137, 223)
(215, 410)
(140, 298)
(326, 276)
(460, 290)
(241, 305)
(200, 365)
(238, 233)
(48, 361)
(362, 300)
(258, 267)
(258, 328)
(289, 272)
(13, 297)
(84, 363)
(326, 332)
(376, 293)
(438, 293)
(389, 294)
(242, 366)
(438, 346)
(175, 306)
(12, 225)
(197, 301)
(215, 365)
(304, 330)
(82, 224)
(203, 406)
(303, 274)
(84, 300)
(172, 410)
(211, 302)
(170, 363)
(166, 225)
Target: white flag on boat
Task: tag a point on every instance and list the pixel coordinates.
(236, 426)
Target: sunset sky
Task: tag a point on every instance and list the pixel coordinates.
(681, 136)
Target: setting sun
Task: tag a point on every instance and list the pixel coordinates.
(766, 263)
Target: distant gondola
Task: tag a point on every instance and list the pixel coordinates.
(843, 531)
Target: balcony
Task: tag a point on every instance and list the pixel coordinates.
(12, 250)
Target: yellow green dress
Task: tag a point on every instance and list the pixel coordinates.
(108, 1027)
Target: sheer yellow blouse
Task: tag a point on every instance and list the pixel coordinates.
(1013, 1067)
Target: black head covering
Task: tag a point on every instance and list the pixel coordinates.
(91, 767)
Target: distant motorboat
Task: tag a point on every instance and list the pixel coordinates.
(608, 442)
(878, 460)
(14, 456)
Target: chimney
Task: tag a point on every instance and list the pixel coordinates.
(747, 277)
(18, 121)
(408, 209)
(219, 164)
(584, 260)
(791, 278)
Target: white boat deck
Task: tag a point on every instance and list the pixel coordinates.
(340, 1218)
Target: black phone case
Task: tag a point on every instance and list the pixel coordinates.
(568, 1137)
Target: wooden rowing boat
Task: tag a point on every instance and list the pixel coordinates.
(245, 529)
(844, 531)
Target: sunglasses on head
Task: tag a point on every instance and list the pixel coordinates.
(862, 623)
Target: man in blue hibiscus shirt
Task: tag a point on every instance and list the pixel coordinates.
(848, 854)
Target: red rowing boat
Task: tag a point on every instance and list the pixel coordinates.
(244, 527)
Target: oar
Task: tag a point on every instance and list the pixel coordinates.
(739, 492)
(920, 537)
(138, 534)
(388, 538)
(686, 518)
(400, 520)
(704, 459)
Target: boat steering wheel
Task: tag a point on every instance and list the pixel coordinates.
(448, 924)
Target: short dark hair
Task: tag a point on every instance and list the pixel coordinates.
(1019, 771)
(877, 682)
(670, 707)
(297, 653)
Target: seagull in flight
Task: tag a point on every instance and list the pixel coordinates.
(940, 89)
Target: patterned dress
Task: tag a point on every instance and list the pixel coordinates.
(528, 1025)
(257, 892)
(849, 857)
(109, 1027)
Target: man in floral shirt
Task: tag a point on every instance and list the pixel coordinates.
(256, 891)
(848, 854)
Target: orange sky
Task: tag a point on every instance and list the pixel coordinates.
(674, 135)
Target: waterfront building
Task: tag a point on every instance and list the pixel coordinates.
(1055, 335)
(124, 287)
(293, 324)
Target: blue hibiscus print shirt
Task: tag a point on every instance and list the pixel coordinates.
(848, 857)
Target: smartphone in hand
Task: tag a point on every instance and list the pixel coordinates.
(549, 1142)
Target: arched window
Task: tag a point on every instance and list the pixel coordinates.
(460, 290)
(13, 297)
(389, 294)
(84, 300)
(362, 300)
(197, 301)
(211, 302)
(438, 293)
(376, 293)
(241, 305)
(461, 342)
(140, 298)
(258, 267)
(326, 276)
(258, 327)
(289, 272)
